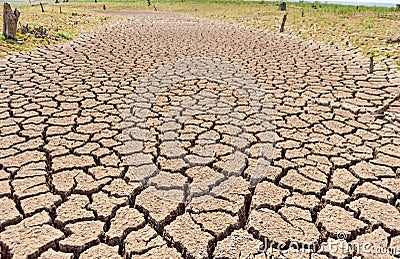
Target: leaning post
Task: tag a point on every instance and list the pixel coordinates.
(283, 23)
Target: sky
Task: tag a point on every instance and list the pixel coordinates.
(355, 2)
(375, 1)
(371, 1)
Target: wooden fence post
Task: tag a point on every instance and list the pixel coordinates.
(371, 64)
(10, 20)
(283, 23)
(41, 6)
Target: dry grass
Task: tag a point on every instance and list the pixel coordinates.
(365, 29)
(58, 26)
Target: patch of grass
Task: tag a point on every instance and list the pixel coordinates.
(65, 35)
(59, 26)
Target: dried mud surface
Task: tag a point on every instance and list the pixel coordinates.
(67, 192)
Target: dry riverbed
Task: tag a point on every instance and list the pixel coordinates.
(371, 31)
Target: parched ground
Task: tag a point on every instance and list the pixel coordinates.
(83, 176)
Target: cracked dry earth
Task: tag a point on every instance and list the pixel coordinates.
(67, 191)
